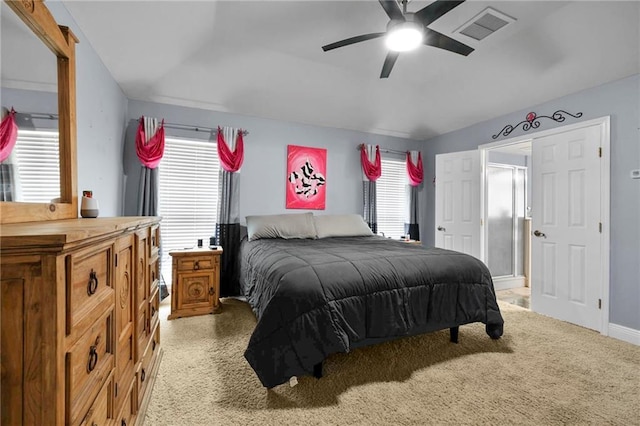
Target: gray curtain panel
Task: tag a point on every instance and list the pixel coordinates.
(369, 202)
(229, 233)
(6, 182)
(411, 227)
(148, 192)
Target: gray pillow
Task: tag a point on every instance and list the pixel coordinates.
(341, 225)
(298, 225)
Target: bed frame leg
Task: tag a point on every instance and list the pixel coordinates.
(317, 370)
(454, 334)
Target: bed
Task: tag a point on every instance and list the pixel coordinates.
(313, 297)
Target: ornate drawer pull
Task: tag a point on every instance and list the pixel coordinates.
(93, 358)
(153, 345)
(153, 310)
(92, 286)
(143, 375)
(123, 422)
(211, 291)
(196, 265)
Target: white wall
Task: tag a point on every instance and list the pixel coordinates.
(620, 100)
(101, 111)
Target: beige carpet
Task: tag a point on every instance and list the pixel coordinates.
(541, 372)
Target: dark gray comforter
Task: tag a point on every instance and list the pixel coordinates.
(313, 298)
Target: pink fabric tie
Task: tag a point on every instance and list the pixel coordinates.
(371, 171)
(8, 135)
(150, 153)
(415, 173)
(231, 160)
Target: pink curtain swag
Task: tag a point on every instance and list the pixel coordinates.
(150, 153)
(231, 160)
(8, 135)
(371, 171)
(415, 172)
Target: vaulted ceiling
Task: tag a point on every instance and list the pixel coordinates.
(264, 58)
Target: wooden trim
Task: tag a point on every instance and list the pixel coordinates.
(61, 41)
(149, 390)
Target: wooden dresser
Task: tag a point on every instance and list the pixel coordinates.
(195, 284)
(80, 325)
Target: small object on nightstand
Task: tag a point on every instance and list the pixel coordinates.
(195, 282)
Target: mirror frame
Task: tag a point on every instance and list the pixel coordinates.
(61, 41)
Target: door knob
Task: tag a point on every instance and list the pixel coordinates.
(440, 228)
(539, 234)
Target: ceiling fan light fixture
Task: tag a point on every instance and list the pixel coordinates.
(404, 36)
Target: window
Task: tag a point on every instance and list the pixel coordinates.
(391, 197)
(188, 195)
(37, 156)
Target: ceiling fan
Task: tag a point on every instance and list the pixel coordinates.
(406, 31)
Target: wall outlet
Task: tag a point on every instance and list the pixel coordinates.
(635, 174)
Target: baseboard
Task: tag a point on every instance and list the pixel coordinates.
(626, 334)
(505, 283)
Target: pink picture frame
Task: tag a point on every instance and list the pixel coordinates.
(306, 184)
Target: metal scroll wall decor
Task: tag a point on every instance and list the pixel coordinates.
(531, 121)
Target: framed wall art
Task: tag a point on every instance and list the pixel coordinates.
(306, 177)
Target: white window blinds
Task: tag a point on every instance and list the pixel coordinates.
(37, 154)
(391, 197)
(188, 195)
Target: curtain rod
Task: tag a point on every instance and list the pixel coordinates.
(43, 115)
(391, 151)
(196, 128)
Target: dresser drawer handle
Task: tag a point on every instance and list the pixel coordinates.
(196, 265)
(93, 358)
(153, 310)
(153, 345)
(92, 287)
(211, 291)
(123, 422)
(143, 375)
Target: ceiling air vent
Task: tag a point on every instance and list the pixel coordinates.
(485, 23)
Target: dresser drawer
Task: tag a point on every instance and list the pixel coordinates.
(154, 241)
(197, 263)
(154, 274)
(88, 365)
(148, 363)
(154, 307)
(89, 286)
(100, 412)
(127, 413)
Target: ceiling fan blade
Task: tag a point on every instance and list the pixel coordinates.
(352, 40)
(428, 14)
(393, 9)
(389, 62)
(435, 39)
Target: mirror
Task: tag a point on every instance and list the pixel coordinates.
(33, 37)
(29, 83)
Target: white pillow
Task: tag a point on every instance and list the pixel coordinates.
(341, 225)
(299, 225)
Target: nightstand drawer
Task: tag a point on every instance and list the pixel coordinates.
(197, 263)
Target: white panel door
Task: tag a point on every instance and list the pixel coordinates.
(458, 202)
(565, 246)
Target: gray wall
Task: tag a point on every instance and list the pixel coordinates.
(620, 100)
(263, 173)
(101, 110)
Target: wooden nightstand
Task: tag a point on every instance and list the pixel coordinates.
(195, 282)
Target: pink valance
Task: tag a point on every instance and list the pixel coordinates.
(231, 161)
(150, 151)
(8, 135)
(415, 172)
(371, 170)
